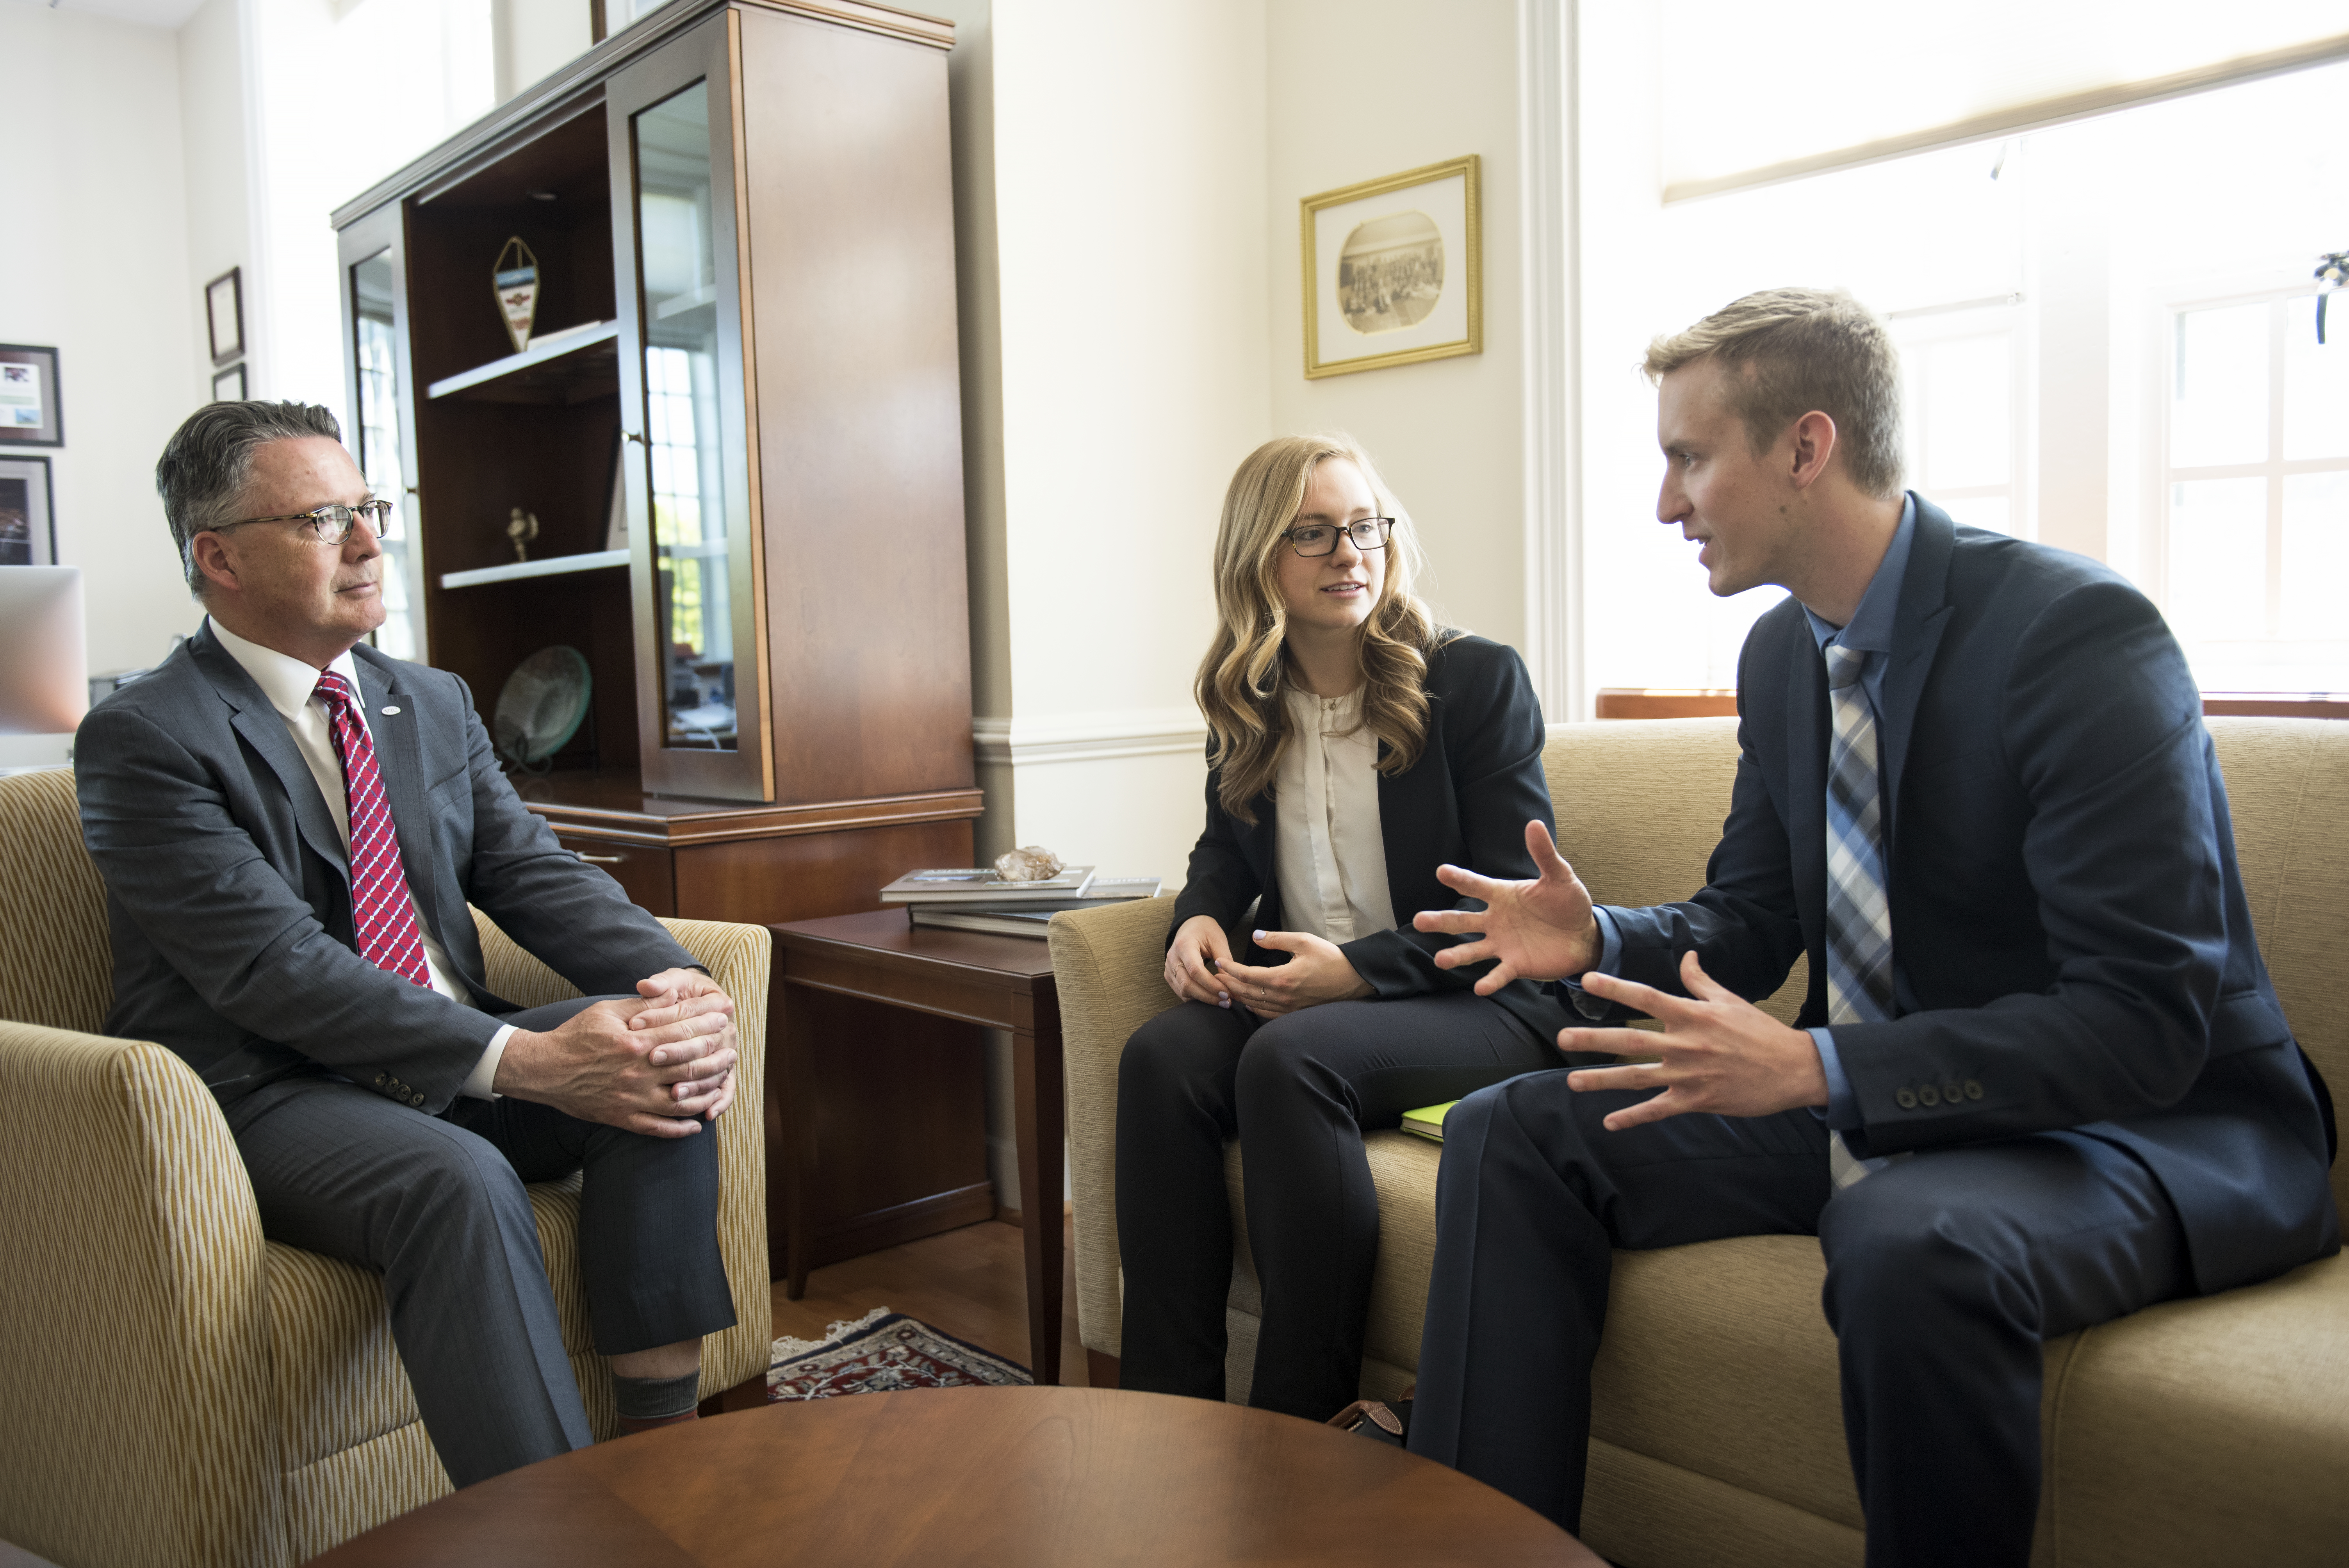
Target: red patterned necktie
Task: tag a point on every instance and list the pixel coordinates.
(381, 915)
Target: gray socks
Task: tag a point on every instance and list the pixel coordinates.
(657, 1399)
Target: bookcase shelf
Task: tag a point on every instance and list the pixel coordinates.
(552, 566)
(568, 366)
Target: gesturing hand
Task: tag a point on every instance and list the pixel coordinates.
(676, 999)
(1721, 1053)
(1199, 949)
(1539, 930)
(1317, 972)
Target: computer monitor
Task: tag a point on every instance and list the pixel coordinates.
(44, 661)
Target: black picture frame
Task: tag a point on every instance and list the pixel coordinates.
(28, 514)
(224, 314)
(228, 384)
(30, 412)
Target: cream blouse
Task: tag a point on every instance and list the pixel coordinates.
(1329, 854)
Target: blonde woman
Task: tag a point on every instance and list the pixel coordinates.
(1354, 747)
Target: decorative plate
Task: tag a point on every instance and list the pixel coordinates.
(543, 704)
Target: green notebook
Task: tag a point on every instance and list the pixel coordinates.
(1427, 1122)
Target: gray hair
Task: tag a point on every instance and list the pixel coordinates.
(208, 462)
(1790, 351)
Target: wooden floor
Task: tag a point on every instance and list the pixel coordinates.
(966, 1283)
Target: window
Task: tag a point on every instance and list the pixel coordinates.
(671, 407)
(1649, 618)
(2108, 339)
(1963, 394)
(2255, 547)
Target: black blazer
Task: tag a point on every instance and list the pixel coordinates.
(2068, 924)
(228, 889)
(1467, 800)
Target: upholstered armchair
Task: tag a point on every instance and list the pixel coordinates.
(174, 1389)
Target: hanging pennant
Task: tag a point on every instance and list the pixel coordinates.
(517, 289)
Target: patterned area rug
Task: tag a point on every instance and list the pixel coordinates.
(881, 1353)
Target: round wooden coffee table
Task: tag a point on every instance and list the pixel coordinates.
(975, 1475)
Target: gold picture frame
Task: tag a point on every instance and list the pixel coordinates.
(1394, 270)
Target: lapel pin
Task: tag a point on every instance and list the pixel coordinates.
(387, 712)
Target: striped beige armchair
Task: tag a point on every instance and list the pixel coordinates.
(174, 1389)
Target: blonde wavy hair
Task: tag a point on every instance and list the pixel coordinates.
(1244, 677)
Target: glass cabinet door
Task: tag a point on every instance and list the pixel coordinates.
(380, 435)
(693, 544)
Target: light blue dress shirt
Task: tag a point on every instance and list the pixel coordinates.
(1870, 630)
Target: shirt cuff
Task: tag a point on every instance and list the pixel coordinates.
(1841, 1114)
(485, 1071)
(1610, 952)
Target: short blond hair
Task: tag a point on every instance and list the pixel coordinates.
(1785, 352)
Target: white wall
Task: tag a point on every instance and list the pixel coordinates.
(1128, 324)
(534, 37)
(1110, 189)
(1359, 89)
(94, 264)
(166, 157)
(216, 158)
(412, 73)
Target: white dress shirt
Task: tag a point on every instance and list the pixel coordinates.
(1328, 854)
(292, 687)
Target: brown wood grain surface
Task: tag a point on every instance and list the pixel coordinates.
(1027, 1476)
(615, 804)
(850, 224)
(973, 977)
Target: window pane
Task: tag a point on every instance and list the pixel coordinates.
(2315, 380)
(1961, 389)
(2218, 559)
(1989, 512)
(2316, 554)
(2219, 390)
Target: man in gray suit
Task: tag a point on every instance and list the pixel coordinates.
(290, 826)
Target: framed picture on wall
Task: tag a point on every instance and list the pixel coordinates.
(1393, 271)
(228, 386)
(28, 525)
(224, 311)
(29, 412)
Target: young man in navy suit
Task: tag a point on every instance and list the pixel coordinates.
(2042, 1080)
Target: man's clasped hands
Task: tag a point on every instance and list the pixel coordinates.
(660, 1065)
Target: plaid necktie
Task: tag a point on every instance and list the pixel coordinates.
(381, 916)
(1860, 917)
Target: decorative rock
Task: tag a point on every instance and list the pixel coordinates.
(1032, 862)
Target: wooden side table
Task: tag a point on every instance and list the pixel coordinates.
(999, 982)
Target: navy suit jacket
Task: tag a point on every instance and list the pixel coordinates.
(228, 888)
(1466, 802)
(2068, 924)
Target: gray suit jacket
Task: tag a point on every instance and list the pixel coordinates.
(228, 889)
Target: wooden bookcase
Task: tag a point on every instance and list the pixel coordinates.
(746, 207)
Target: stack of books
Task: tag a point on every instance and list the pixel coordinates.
(963, 898)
